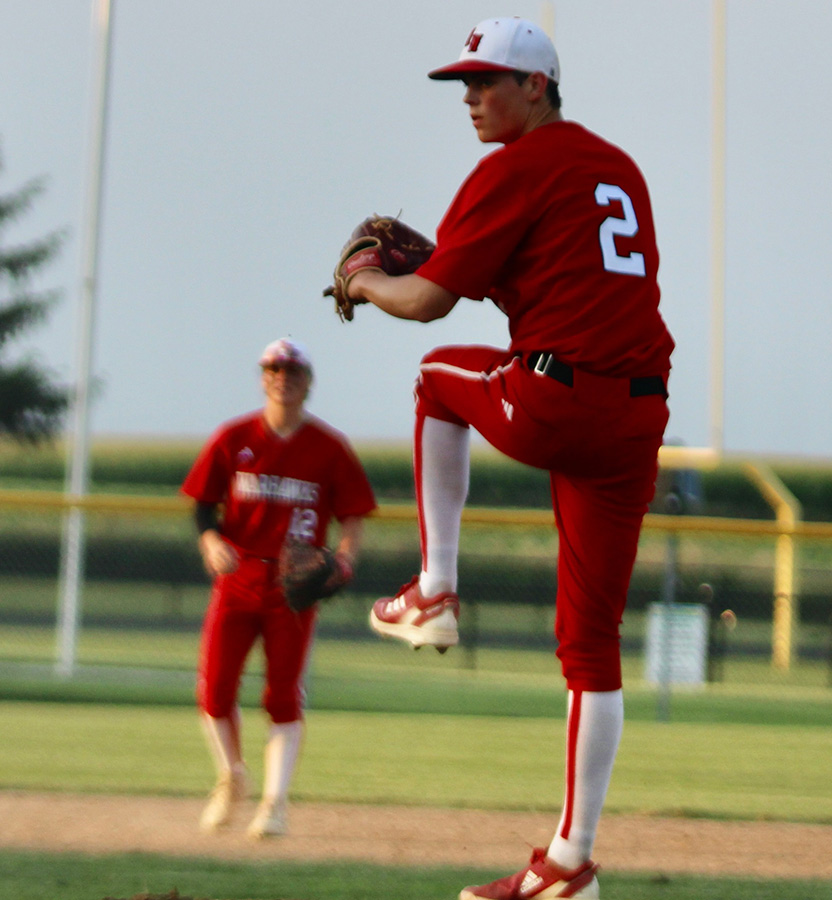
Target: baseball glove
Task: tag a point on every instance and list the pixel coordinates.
(379, 242)
(308, 573)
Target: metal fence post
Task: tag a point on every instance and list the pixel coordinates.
(788, 512)
(673, 506)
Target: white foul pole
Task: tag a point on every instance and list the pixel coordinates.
(718, 141)
(72, 549)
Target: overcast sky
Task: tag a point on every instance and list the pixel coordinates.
(247, 138)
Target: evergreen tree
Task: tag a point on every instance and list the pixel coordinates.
(32, 404)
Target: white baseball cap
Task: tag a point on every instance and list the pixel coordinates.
(504, 45)
(286, 351)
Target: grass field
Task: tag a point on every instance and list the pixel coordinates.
(691, 769)
(715, 770)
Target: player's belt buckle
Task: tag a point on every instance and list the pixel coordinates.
(546, 364)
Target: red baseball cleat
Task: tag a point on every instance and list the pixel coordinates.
(419, 620)
(540, 880)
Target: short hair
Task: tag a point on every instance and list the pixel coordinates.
(552, 89)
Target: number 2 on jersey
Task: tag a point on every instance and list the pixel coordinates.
(626, 226)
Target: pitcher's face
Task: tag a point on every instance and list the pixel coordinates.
(499, 107)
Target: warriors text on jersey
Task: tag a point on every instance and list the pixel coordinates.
(272, 486)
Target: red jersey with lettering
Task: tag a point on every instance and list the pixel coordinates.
(271, 486)
(557, 229)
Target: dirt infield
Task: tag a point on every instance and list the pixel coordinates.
(391, 835)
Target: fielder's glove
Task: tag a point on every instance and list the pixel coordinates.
(308, 573)
(379, 242)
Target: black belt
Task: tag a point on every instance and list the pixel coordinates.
(546, 364)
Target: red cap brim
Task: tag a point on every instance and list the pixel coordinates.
(466, 67)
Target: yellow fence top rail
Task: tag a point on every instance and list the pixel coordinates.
(404, 512)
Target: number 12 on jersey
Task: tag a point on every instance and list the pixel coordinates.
(303, 524)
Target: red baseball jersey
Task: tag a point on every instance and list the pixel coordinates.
(272, 486)
(557, 229)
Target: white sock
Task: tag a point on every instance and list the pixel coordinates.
(594, 726)
(223, 737)
(282, 751)
(444, 488)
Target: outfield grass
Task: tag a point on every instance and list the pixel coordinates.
(685, 769)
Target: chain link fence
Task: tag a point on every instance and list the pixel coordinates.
(700, 612)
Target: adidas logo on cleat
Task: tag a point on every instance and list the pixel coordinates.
(531, 882)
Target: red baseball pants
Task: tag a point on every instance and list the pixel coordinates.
(600, 446)
(246, 605)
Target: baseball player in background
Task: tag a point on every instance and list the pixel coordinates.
(278, 473)
(556, 228)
